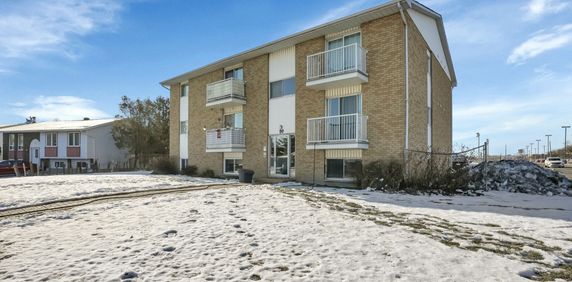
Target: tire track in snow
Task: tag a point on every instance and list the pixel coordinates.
(82, 201)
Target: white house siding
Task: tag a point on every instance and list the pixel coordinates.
(103, 148)
(428, 28)
(1, 145)
(184, 138)
(282, 111)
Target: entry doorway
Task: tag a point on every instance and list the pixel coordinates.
(282, 157)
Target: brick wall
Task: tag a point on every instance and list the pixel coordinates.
(174, 123)
(309, 104)
(256, 115)
(442, 109)
(383, 95)
(200, 116)
(418, 68)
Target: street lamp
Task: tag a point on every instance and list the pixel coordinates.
(565, 143)
(479, 144)
(548, 144)
(538, 146)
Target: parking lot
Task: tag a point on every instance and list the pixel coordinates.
(566, 171)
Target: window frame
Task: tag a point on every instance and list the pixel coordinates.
(72, 137)
(234, 165)
(184, 163)
(11, 142)
(359, 104)
(345, 177)
(234, 71)
(343, 38)
(54, 141)
(282, 89)
(20, 142)
(185, 127)
(184, 90)
(234, 118)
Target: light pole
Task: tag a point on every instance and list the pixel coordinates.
(565, 143)
(548, 144)
(538, 146)
(527, 152)
(543, 151)
(479, 144)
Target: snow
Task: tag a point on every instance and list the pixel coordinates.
(245, 231)
(19, 191)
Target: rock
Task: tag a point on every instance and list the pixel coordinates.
(170, 232)
(168, 249)
(128, 275)
(530, 273)
(549, 194)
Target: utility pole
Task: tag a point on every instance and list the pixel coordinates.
(548, 144)
(532, 150)
(565, 142)
(505, 151)
(543, 151)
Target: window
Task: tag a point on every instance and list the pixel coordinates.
(342, 169)
(12, 142)
(59, 164)
(184, 127)
(184, 90)
(231, 166)
(345, 41)
(73, 139)
(233, 120)
(344, 105)
(51, 139)
(184, 163)
(20, 142)
(237, 73)
(282, 87)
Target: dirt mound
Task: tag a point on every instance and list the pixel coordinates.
(518, 176)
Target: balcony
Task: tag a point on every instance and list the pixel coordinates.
(337, 67)
(228, 92)
(337, 132)
(225, 140)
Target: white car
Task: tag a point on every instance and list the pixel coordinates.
(553, 162)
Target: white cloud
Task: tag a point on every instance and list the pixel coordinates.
(58, 107)
(538, 8)
(31, 27)
(541, 42)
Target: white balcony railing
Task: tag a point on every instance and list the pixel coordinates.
(225, 139)
(350, 58)
(350, 128)
(229, 88)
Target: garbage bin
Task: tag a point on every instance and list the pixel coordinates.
(245, 175)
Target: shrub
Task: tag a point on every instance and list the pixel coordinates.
(190, 170)
(208, 173)
(164, 165)
(382, 175)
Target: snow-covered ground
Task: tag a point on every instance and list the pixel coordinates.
(289, 234)
(19, 191)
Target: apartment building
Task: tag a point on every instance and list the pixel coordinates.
(315, 105)
(63, 144)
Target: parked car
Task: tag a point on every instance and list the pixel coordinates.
(553, 162)
(7, 167)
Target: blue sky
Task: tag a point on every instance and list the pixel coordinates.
(68, 59)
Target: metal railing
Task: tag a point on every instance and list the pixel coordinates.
(336, 129)
(228, 88)
(225, 138)
(350, 58)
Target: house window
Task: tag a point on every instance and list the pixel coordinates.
(20, 142)
(51, 139)
(73, 139)
(282, 87)
(237, 73)
(184, 163)
(184, 90)
(184, 127)
(233, 120)
(342, 168)
(12, 142)
(231, 166)
(59, 164)
(345, 41)
(344, 105)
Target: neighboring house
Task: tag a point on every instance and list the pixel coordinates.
(2, 139)
(312, 106)
(69, 144)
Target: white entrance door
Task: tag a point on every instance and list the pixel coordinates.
(35, 152)
(282, 155)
